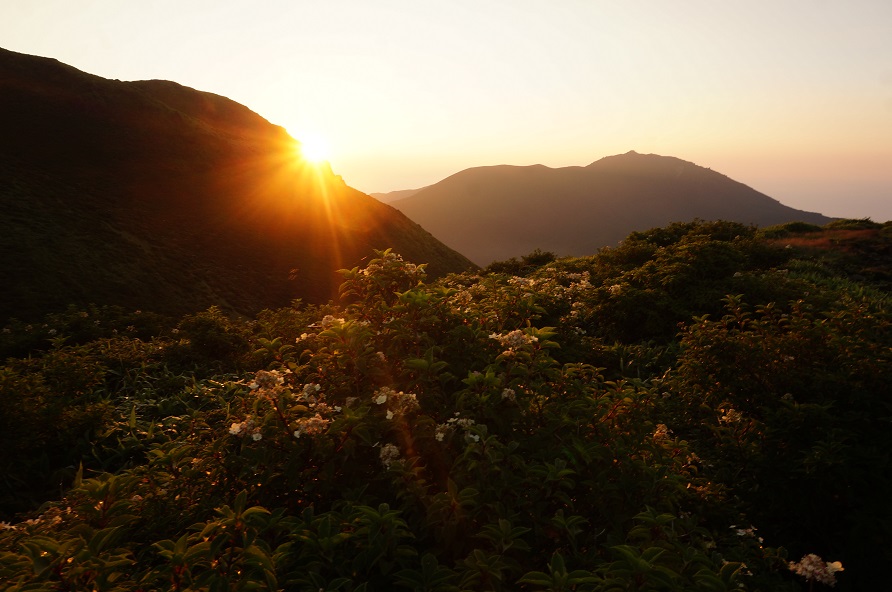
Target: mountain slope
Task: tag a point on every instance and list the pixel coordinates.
(498, 212)
(153, 195)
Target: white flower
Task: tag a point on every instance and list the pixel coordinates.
(389, 414)
(399, 402)
(514, 339)
(812, 567)
(390, 453)
(256, 436)
(310, 390)
(747, 532)
(235, 429)
(509, 394)
(329, 320)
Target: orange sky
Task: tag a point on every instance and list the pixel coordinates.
(793, 98)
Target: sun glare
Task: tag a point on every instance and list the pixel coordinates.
(313, 148)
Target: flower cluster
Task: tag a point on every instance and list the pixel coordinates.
(812, 567)
(580, 281)
(268, 383)
(43, 519)
(398, 403)
(244, 428)
(322, 411)
(523, 282)
(267, 379)
(461, 301)
(747, 532)
(514, 339)
(331, 321)
(311, 426)
(465, 423)
(390, 260)
(509, 395)
(390, 454)
(526, 283)
(309, 392)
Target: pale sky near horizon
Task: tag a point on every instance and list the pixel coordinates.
(790, 97)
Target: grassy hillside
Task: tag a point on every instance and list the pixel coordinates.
(151, 195)
(700, 408)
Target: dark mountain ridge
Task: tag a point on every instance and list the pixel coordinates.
(157, 196)
(498, 212)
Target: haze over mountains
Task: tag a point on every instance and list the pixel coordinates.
(392, 196)
(156, 196)
(498, 212)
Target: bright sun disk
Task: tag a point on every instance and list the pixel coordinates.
(313, 148)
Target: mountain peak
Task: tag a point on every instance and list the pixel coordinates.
(578, 210)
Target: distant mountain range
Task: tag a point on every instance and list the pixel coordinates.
(156, 196)
(498, 212)
(392, 196)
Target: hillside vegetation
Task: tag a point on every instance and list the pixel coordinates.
(700, 408)
(152, 195)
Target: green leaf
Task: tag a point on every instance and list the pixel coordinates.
(536, 578)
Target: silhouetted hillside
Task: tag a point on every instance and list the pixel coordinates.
(153, 195)
(497, 212)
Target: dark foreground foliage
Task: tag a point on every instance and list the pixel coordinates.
(692, 410)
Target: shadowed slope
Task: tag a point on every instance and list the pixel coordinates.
(153, 195)
(498, 212)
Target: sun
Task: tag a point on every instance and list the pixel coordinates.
(313, 148)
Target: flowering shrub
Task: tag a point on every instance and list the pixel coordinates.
(484, 432)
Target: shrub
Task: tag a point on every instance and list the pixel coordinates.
(497, 432)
